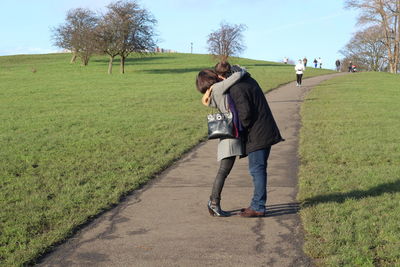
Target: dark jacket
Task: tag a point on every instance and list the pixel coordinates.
(255, 115)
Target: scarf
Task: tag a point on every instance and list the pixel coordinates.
(238, 128)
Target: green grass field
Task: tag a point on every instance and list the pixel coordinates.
(74, 139)
(350, 171)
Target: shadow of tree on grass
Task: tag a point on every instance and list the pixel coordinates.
(390, 188)
(171, 71)
(136, 60)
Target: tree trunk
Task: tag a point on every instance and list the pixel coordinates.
(110, 65)
(85, 58)
(393, 67)
(73, 59)
(397, 35)
(388, 35)
(397, 50)
(122, 64)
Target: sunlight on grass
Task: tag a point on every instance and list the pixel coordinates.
(350, 171)
(74, 139)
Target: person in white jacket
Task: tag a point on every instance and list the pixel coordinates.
(320, 62)
(299, 71)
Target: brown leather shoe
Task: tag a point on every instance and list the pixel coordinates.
(248, 212)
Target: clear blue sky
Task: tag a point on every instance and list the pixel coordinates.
(275, 28)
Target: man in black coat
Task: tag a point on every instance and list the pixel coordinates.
(261, 132)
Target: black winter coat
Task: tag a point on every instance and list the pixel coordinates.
(255, 115)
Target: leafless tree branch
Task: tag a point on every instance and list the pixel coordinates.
(226, 41)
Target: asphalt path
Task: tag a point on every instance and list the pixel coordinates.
(166, 223)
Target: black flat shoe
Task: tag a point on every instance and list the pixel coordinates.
(215, 210)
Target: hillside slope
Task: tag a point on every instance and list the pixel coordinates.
(74, 139)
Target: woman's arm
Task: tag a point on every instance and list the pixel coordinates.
(221, 87)
(218, 97)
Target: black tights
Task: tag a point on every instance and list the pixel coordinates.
(299, 76)
(224, 169)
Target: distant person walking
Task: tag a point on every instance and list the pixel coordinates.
(299, 68)
(337, 63)
(350, 66)
(285, 60)
(305, 62)
(320, 62)
(315, 63)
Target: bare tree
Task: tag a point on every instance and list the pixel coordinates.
(367, 49)
(226, 41)
(62, 36)
(107, 34)
(77, 34)
(385, 14)
(129, 28)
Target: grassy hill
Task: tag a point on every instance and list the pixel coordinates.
(74, 139)
(350, 171)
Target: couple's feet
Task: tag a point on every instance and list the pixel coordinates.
(215, 210)
(249, 212)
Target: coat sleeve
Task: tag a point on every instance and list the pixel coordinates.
(243, 105)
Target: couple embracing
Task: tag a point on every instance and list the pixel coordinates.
(231, 88)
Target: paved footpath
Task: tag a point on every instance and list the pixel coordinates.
(167, 223)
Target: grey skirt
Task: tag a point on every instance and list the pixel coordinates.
(229, 147)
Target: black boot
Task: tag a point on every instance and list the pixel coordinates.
(214, 209)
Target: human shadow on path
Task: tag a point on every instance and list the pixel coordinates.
(390, 188)
(275, 210)
(292, 208)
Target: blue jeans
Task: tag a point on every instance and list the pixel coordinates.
(258, 170)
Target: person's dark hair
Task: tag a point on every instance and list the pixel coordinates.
(223, 68)
(205, 79)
